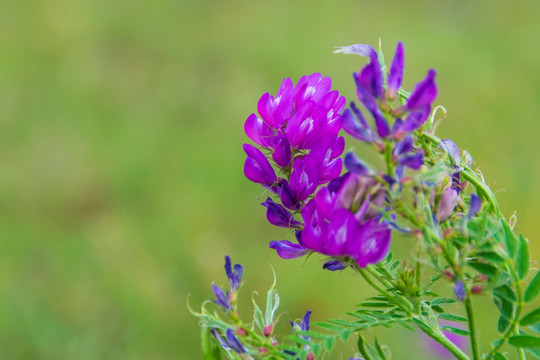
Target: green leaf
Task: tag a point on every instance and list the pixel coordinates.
(531, 318)
(510, 240)
(505, 307)
(438, 308)
(375, 304)
(257, 315)
(379, 349)
(361, 344)
(329, 343)
(524, 341)
(210, 351)
(522, 261)
(443, 301)
(533, 289)
(499, 356)
(502, 325)
(452, 317)
(454, 330)
(490, 256)
(484, 268)
(506, 292)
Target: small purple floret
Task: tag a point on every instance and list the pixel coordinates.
(234, 276)
(475, 206)
(221, 298)
(234, 343)
(459, 290)
(288, 250)
(279, 216)
(334, 265)
(395, 76)
(447, 203)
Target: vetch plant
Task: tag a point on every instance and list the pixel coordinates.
(423, 187)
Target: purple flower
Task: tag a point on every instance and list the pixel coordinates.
(234, 276)
(459, 290)
(288, 250)
(453, 151)
(279, 216)
(221, 298)
(300, 114)
(446, 205)
(282, 153)
(234, 343)
(405, 154)
(355, 165)
(334, 265)
(424, 93)
(257, 168)
(304, 324)
(395, 76)
(475, 206)
(304, 177)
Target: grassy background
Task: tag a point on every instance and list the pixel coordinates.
(121, 184)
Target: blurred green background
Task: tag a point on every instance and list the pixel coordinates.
(121, 125)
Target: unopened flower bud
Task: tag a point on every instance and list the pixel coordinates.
(310, 356)
(477, 289)
(241, 331)
(459, 290)
(263, 350)
(482, 278)
(449, 275)
(268, 330)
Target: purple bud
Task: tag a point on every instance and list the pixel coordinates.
(334, 265)
(234, 343)
(414, 161)
(304, 177)
(475, 206)
(335, 184)
(354, 127)
(370, 78)
(424, 93)
(358, 49)
(453, 151)
(282, 153)
(404, 146)
(447, 203)
(459, 290)
(355, 165)
(235, 277)
(288, 250)
(221, 298)
(279, 216)
(257, 168)
(288, 196)
(305, 321)
(395, 76)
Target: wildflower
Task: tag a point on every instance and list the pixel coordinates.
(459, 290)
(278, 215)
(221, 298)
(299, 114)
(235, 277)
(234, 343)
(475, 206)
(257, 168)
(343, 223)
(447, 203)
(370, 90)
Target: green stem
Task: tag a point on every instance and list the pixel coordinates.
(439, 337)
(383, 292)
(472, 326)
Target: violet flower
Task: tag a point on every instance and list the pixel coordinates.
(474, 207)
(257, 168)
(344, 223)
(221, 298)
(459, 290)
(279, 216)
(447, 204)
(234, 276)
(234, 343)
